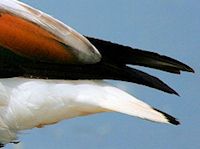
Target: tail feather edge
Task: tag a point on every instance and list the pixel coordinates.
(120, 101)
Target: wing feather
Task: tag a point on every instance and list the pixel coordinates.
(34, 34)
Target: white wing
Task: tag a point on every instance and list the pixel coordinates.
(35, 103)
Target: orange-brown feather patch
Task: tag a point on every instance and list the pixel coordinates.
(30, 40)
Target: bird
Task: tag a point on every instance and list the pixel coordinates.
(50, 72)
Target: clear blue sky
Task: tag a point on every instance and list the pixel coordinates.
(169, 27)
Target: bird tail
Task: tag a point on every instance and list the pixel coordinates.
(123, 102)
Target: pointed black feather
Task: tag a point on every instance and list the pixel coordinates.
(126, 55)
(170, 118)
(98, 71)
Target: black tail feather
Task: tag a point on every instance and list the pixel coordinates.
(97, 71)
(128, 74)
(143, 78)
(170, 118)
(126, 55)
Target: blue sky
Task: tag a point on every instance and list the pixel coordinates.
(168, 27)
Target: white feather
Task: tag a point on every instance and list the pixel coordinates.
(29, 103)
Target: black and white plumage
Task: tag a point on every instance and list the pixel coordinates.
(50, 72)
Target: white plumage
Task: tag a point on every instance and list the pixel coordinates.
(29, 103)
